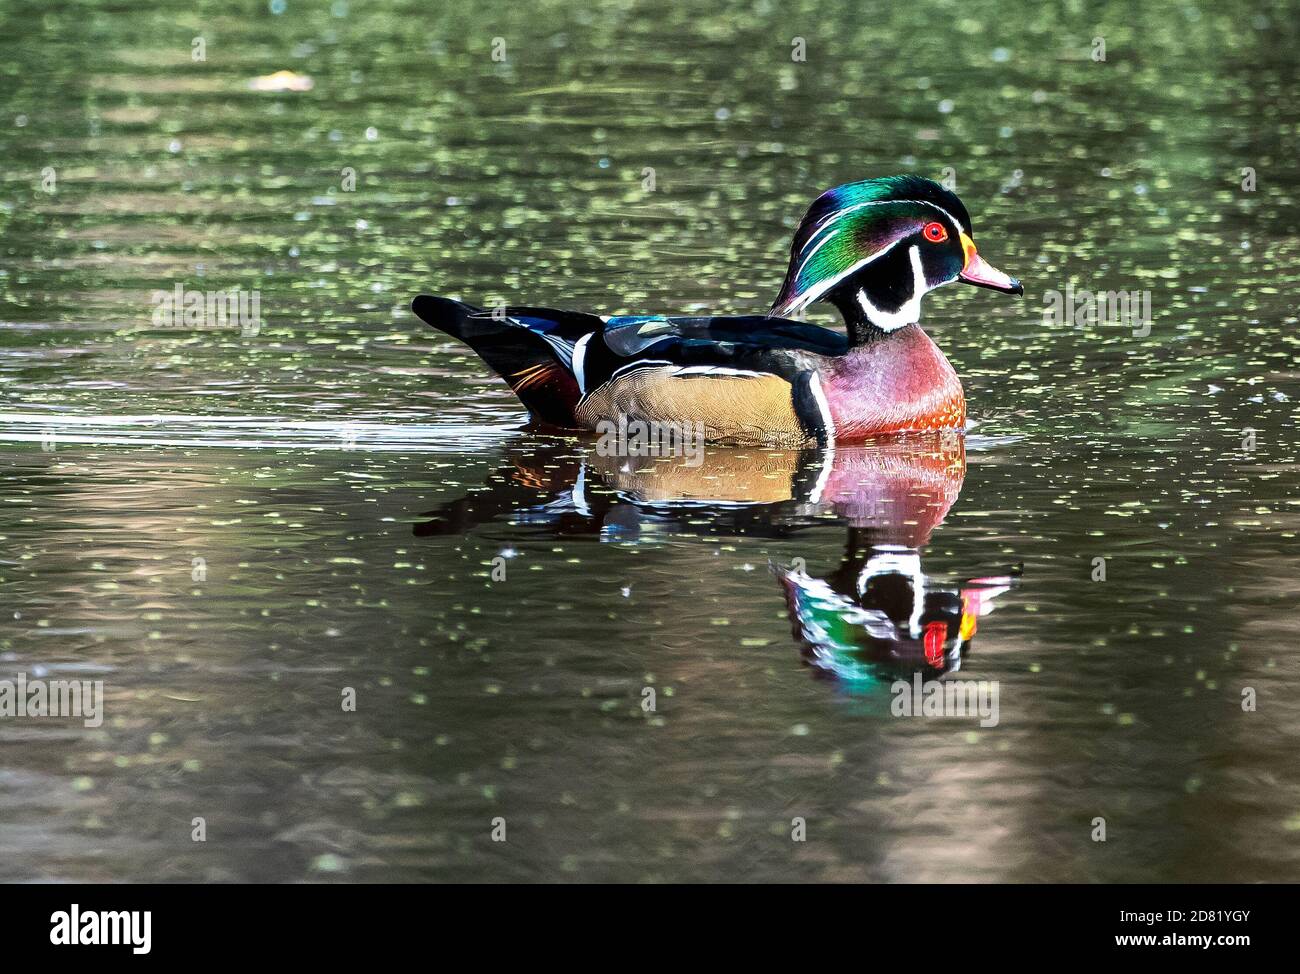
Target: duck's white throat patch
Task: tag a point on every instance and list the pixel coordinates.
(910, 312)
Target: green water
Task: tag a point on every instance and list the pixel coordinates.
(230, 529)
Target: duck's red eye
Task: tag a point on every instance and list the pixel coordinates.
(935, 232)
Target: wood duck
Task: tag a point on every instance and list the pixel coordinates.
(873, 249)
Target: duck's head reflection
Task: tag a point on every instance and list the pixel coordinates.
(875, 616)
(878, 615)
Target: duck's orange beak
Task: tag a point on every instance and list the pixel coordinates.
(981, 273)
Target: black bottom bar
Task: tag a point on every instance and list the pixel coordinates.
(332, 923)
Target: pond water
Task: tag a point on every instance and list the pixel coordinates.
(644, 671)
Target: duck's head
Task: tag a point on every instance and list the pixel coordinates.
(875, 248)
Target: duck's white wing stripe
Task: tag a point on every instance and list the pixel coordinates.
(579, 358)
(828, 421)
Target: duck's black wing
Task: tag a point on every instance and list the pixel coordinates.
(632, 335)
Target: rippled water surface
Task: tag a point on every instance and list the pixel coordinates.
(230, 529)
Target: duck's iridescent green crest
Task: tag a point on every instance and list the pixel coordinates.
(875, 248)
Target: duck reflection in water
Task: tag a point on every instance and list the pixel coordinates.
(878, 615)
(875, 617)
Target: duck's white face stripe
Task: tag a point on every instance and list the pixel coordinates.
(909, 313)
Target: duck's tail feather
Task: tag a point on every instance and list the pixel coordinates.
(531, 364)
